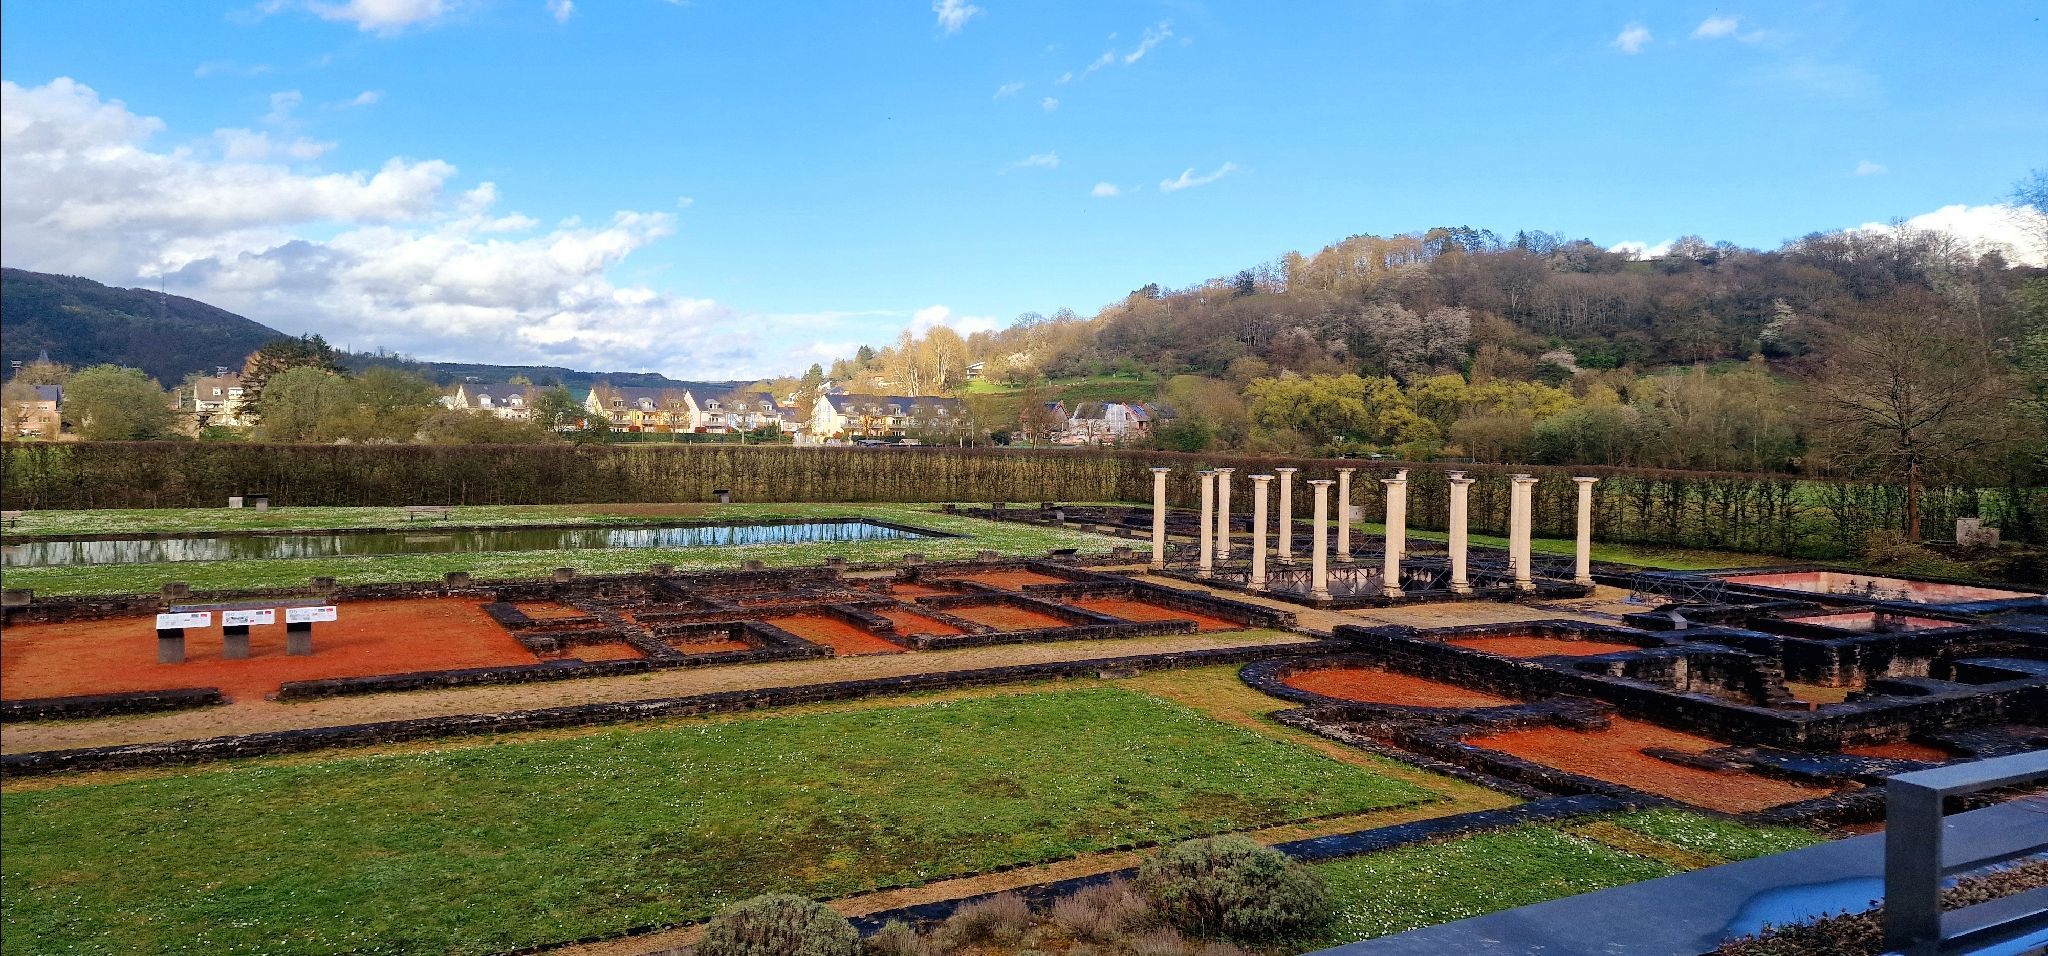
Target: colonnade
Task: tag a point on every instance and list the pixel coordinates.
(1214, 545)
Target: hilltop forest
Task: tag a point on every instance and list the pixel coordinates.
(1896, 353)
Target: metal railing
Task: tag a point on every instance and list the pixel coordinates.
(1915, 866)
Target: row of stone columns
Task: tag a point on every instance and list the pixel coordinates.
(1214, 537)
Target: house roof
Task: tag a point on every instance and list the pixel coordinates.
(497, 392)
(903, 404)
(634, 395)
(50, 393)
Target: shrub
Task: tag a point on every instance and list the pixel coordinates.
(896, 938)
(779, 924)
(1101, 913)
(1232, 886)
(1001, 918)
(1160, 942)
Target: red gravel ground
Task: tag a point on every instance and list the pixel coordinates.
(613, 651)
(546, 610)
(910, 590)
(1141, 611)
(1003, 617)
(372, 637)
(711, 645)
(844, 639)
(1616, 756)
(1541, 646)
(911, 622)
(1009, 580)
(1369, 686)
(1901, 750)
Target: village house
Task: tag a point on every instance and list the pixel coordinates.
(641, 409)
(733, 412)
(41, 417)
(502, 399)
(216, 400)
(1103, 423)
(890, 416)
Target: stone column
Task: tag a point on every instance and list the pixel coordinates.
(1261, 485)
(1397, 535)
(1319, 543)
(1204, 542)
(1582, 566)
(1223, 513)
(1286, 529)
(1344, 513)
(1522, 501)
(1461, 486)
(1159, 518)
(1402, 545)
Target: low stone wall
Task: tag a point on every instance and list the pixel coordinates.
(87, 706)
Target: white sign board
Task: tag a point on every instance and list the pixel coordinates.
(246, 618)
(166, 622)
(308, 615)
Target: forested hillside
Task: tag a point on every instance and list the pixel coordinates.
(81, 322)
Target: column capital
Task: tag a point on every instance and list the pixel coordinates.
(1346, 471)
(1260, 478)
(1286, 471)
(1460, 479)
(1161, 471)
(1226, 471)
(1523, 479)
(1322, 481)
(1390, 482)
(1585, 480)
(1454, 475)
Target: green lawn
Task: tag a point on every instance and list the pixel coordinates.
(1005, 537)
(1423, 885)
(483, 848)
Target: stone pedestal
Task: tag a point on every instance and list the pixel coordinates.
(565, 574)
(1344, 513)
(1260, 485)
(298, 639)
(1159, 518)
(456, 579)
(1397, 536)
(1285, 546)
(1319, 543)
(176, 590)
(234, 642)
(1205, 540)
(1461, 487)
(170, 645)
(1223, 513)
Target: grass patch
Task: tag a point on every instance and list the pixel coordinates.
(1005, 537)
(1725, 840)
(493, 847)
(1381, 893)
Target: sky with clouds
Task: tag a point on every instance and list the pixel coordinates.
(718, 189)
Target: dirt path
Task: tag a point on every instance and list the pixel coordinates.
(253, 716)
(1435, 614)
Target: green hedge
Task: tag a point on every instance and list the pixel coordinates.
(1769, 514)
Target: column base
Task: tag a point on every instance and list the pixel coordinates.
(1205, 573)
(1158, 565)
(1584, 582)
(1461, 589)
(1343, 558)
(1525, 585)
(1393, 593)
(1319, 595)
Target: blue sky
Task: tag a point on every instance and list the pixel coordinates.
(797, 179)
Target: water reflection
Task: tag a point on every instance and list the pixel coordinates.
(266, 547)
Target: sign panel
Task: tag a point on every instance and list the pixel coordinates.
(165, 622)
(309, 615)
(248, 617)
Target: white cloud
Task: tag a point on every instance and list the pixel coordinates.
(367, 98)
(1106, 191)
(1716, 27)
(282, 105)
(931, 316)
(1048, 104)
(2015, 231)
(1188, 179)
(685, 202)
(1008, 89)
(561, 10)
(382, 17)
(1154, 35)
(1632, 38)
(1036, 161)
(954, 14)
(1642, 250)
(1868, 168)
(397, 257)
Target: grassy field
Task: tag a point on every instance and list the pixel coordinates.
(977, 535)
(482, 848)
(1423, 885)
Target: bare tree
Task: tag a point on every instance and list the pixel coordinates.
(1906, 391)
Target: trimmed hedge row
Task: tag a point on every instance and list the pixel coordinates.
(1769, 514)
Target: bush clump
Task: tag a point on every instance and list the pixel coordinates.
(1232, 886)
(779, 924)
(1002, 918)
(1101, 914)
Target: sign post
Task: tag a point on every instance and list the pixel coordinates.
(170, 634)
(298, 627)
(235, 630)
